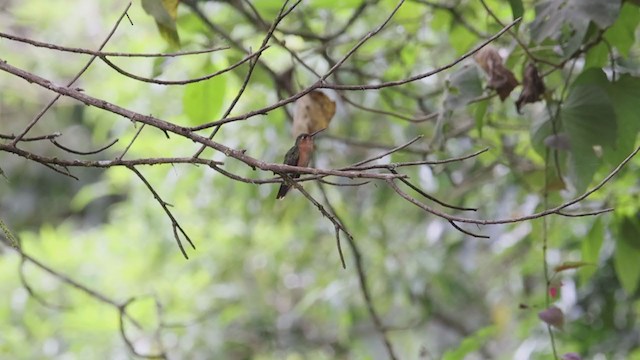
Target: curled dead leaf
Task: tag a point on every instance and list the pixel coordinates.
(312, 112)
(532, 87)
(501, 79)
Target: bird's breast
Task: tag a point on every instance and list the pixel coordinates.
(306, 149)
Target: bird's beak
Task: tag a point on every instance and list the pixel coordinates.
(317, 131)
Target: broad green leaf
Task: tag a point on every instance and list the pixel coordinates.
(461, 38)
(470, 343)
(597, 57)
(568, 20)
(627, 266)
(624, 94)
(629, 231)
(202, 101)
(516, 8)
(621, 34)
(333, 4)
(464, 85)
(542, 128)
(164, 13)
(602, 13)
(590, 249)
(554, 16)
(592, 77)
(589, 119)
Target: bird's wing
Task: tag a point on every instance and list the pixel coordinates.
(292, 156)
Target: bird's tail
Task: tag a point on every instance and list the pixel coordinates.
(284, 189)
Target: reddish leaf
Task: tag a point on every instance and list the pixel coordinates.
(552, 316)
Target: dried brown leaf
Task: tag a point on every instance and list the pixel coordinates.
(501, 79)
(532, 87)
(312, 112)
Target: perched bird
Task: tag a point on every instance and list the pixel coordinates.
(298, 155)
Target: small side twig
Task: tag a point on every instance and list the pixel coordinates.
(165, 206)
(124, 152)
(35, 120)
(337, 224)
(77, 152)
(122, 310)
(181, 82)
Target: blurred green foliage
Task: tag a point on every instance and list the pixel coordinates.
(265, 280)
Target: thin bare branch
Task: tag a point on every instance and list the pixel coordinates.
(362, 281)
(383, 85)
(174, 223)
(181, 131)
(105, 53)
(537, 215)
(53, 101)
(34, 138)
(119, 70)
(77, 152)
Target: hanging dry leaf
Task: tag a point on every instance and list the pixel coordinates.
(532, 87)
(501, 79)
(312, 112)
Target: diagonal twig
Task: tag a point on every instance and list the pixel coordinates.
(53, 101)
(174, 223)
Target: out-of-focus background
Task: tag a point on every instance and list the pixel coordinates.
(265, 280)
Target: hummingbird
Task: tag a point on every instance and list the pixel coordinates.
(298, 155)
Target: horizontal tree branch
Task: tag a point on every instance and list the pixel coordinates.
(104, 53)
(183, 131)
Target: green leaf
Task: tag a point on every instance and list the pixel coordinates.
(202, 101)
(590, 248)
(463, 86)
(461, 38)
(164, 12)
(597, 57)
(621, 34)
(627, 266)
(542, 127)
(479, 113)
(334, 4)
(624, 94)
(602, 13)
(589, 119)
(629, 231)
(568, 20)
(516, 8)
(470, 343)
